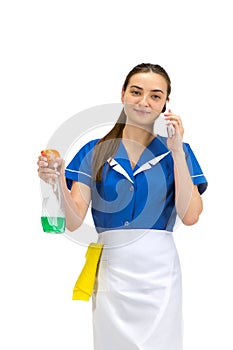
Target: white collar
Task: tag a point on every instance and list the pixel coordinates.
(148, 165)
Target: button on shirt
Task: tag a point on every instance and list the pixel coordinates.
(126, 198)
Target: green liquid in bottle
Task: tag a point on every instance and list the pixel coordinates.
(53, 224)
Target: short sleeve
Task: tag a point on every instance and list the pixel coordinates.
(195, 170)
(80, 167)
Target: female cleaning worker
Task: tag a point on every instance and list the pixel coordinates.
(138, 183)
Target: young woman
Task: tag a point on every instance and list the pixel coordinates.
(138, 184)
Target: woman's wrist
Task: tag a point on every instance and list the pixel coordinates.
(178, 154)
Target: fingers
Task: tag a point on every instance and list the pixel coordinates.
(47, 173)
(173, 117)
(175, 121)
(42, 162)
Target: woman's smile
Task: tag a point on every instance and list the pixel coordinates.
(142, 111)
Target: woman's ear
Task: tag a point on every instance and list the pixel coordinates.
(165, 106)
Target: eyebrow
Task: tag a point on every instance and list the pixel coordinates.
(140, 88)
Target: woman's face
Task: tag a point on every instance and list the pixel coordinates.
(144, 98)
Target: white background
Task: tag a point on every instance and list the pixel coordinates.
(61, 57)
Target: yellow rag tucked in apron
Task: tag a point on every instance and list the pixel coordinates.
(85, 283)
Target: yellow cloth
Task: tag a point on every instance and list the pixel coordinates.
(85, 283)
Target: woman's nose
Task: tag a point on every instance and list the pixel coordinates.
(144, 101)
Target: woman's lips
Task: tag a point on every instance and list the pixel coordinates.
(142, 111)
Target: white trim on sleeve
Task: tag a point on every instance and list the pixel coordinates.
(197, 175)
(78, 172)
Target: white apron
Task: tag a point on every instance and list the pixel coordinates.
(137, 299)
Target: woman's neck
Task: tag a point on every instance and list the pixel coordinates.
(137, 134)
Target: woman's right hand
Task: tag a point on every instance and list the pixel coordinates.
(47, 173)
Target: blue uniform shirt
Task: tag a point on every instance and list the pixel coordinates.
(126, 198)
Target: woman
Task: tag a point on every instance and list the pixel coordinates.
(138, 183)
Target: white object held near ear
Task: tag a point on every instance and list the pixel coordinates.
(161, 128)
(170, 130)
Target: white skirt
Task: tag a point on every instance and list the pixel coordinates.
(137, 298)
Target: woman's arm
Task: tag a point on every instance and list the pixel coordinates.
(187, 198)
(76, 201)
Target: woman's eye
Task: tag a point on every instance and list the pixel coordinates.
(155, 97)
(135, 93)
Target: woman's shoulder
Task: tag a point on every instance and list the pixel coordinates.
(89, 145)
(84, 150)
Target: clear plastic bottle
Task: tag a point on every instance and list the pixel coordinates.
(53, 214)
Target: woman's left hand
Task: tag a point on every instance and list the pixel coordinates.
(174, 143)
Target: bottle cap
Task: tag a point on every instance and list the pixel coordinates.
(50, 154)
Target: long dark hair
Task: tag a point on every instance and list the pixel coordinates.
(106, 150)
